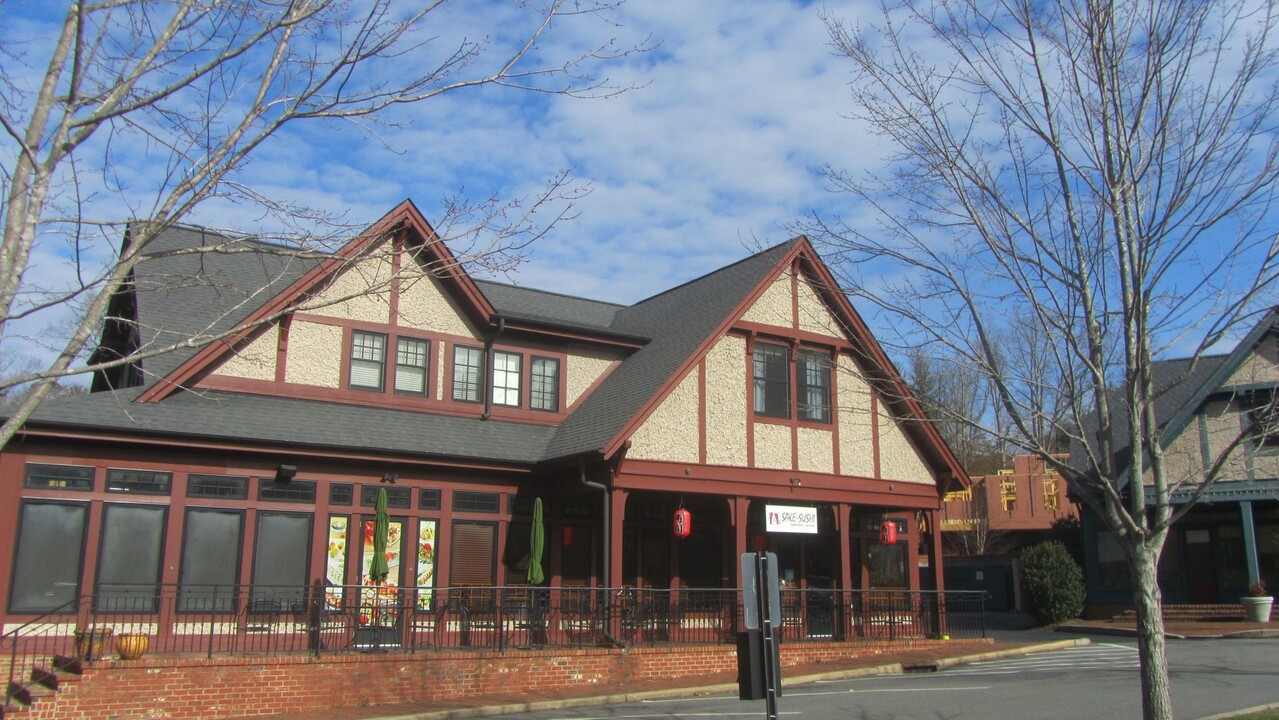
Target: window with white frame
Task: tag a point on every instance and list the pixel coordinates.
(506, 378)
(368, 360)
(544, 384)
(411, 363)
(468, 373)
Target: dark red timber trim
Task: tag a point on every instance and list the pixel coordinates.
(874, 429)
(282, 348)
(701, 412)
(750, 400)
(776, 484)
(399, 244)
(836, 452)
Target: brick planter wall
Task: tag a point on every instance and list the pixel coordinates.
(156, 688)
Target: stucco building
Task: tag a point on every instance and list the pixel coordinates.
(254, 461)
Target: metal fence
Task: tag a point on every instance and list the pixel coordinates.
(210, 620)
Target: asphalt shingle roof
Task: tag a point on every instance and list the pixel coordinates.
(188, 294)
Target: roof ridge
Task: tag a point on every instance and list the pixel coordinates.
(527, 288)
(717, 271)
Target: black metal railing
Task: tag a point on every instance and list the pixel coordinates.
(210, 620)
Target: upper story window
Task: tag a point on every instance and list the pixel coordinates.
(506, 378)
(411, 363)
(773, 378)
(812, 375)
(468, 373)
(544, 384)
(1263, 417)
(772, 381)
(368, 360)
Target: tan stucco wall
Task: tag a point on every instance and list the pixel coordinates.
(424, 305)
(726, 400)
(856, 454)
(1224, 425)
(1183, 459)
(772, 446)
(1260, 367)
(774, 306)
(355, 281)
(670, 432)
(814, 316)
(315, 355)
(583, 366)
(898, 459)
(254, 361)
(816, 450)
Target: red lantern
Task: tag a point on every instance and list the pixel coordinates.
(568, 535)
(888, 532)
(683, 523)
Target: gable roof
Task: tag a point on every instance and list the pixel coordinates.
(664, 337)
(1181, 386)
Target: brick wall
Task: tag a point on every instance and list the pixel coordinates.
(168, 689)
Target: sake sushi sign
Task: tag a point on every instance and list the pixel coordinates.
(787, 519)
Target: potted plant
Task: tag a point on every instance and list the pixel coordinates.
(1256, 604)
(131, 646)
(91, 643)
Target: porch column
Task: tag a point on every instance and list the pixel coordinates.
(843, 520)
(935, 550)
(617, 512)
(740, 507)
(1249, 541)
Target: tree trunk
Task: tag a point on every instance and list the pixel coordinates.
(1156, 701)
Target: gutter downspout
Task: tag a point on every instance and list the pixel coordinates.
(488, 367)
(607, 498)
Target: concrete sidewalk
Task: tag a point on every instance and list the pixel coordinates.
(920, 660)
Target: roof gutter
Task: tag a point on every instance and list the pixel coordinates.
(488, 363)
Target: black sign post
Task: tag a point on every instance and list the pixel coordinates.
(758, 660)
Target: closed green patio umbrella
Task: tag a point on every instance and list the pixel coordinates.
(536, 546)
(378, 569)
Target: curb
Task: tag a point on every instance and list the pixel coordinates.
(1242, 713)
(1264, 633)
(671, 693)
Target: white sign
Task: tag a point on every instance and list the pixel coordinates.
(786, 519)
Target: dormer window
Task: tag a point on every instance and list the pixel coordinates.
(772, 380)
(506, 378)
(468, 373)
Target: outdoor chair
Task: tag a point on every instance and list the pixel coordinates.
(261, 617)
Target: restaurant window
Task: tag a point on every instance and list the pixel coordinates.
(297, 491)
(411, 363)
(474, 554)
(516, 557)
(368, 360)
(396, 497)
(58, 477)
(140, 482)
(129, 558)
(468, 373)
(281, 556)
(227, 487)
(544, 384)
(48, 558)
(341, 494)
(210, 560)
(428, 499)
(476, 502)
(506, 378)
(887, 564)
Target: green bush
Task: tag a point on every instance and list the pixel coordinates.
(1052, 584)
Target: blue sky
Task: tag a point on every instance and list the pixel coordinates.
(720, 145)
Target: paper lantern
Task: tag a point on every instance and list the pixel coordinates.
(888, 532)
(568, 535)
(683, 523)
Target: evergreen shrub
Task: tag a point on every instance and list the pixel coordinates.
(1052, 584)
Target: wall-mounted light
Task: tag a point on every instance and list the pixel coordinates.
(284, 474)
(388, 478)
(796, 482)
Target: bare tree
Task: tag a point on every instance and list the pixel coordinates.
(189, 91)
(953, 392)
(1103, 174)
